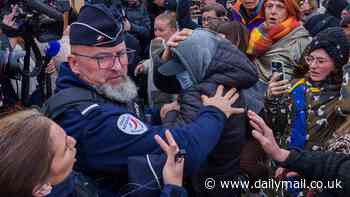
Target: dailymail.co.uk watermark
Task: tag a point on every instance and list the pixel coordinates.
(274, 184)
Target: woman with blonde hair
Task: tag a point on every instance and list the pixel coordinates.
(37, 159)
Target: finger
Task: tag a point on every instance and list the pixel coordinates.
(180, 162)
(283, 82)
(275, 76)
(234, 99)
(162, 112)
(186, 32)
(136, 72)
(163, 145)
(13, 12)
(279, 93)
(172, 44)
(280, 173)
(237, 110)
(279, 84)
(204, 98)
(230, 93)
(173, 147)
(219, 91)
(179, 38)
(280, 88)
(292, 174)
(256, 126)
(170, 138)
(261, 139)
(267, 132)
(257, 120)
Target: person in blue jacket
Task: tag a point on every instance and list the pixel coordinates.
(94, 104)
(54, 154)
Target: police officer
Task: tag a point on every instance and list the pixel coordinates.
(92, 104)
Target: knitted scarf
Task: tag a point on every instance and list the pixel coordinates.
(262, 38)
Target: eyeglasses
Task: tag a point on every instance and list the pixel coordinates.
(309, 59)
(210, 18)
(107, 60)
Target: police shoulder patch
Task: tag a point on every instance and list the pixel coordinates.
(131, 125)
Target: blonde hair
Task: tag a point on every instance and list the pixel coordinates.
(76, 5)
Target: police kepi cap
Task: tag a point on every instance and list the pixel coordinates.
(96, 26)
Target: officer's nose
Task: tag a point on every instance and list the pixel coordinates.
(117, 65)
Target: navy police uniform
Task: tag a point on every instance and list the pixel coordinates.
(108, 133)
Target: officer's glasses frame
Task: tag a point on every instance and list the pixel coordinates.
(107, 60)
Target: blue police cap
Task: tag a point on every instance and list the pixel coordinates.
(96, 26)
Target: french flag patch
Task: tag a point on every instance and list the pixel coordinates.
(131, 125)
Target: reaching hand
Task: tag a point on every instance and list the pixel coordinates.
(51, 67)
(223, 102)
(139, 69)
(174, 40)
(173, 170)
(174, 106)
(127, 25)
(277, 87)
(9, 19)
(283, 173)
(265, 137)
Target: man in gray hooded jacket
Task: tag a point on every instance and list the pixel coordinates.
(198, 65)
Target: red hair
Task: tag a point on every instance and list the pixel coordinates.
(292, 8)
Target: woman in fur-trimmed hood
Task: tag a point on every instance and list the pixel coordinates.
(305, 116)
(317, 99)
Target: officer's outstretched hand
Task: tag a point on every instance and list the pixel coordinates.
(223, 102)
(173, 168)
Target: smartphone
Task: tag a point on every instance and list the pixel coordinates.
(280, 67)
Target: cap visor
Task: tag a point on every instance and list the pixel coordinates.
(171, 67)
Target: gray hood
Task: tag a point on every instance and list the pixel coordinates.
(197, 52)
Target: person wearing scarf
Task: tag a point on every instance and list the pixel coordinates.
(248, 12)
(280, 38)
(315, 101)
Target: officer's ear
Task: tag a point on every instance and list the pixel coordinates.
(73, 64)
(42, 190)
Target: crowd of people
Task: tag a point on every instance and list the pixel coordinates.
(152, 98)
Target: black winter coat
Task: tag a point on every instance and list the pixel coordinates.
(330, 168)
(213, 61)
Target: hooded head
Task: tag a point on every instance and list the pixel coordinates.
(202, 55)
(191, 59)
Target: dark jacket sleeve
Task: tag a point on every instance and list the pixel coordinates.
(322, 166)
(173, 191)
(104, 146)
(183, 15)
